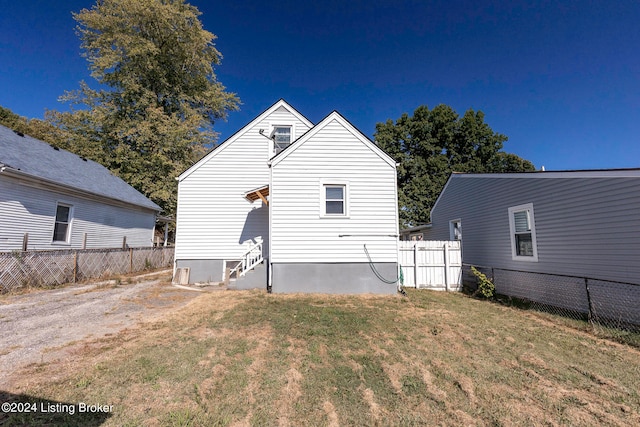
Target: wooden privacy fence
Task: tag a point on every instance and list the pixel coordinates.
(431, 264)
(51, 268)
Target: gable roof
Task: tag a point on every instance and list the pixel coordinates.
(281, 103)
(27, 157)
(334, 115)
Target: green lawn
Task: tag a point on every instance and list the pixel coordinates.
(432, 358)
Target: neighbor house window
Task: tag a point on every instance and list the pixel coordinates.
(281, 138)
(523, 233)
(455, 229)
(334, 199)
(62, 223)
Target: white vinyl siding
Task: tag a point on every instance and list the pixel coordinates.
(214, 220)
(29, 209)
(333, 155)
(523, 233)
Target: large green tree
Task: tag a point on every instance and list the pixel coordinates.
(159, 97)
(36, 128)
(433, 143)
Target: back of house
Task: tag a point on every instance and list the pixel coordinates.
(216, 223)
(334, 217)
(291, 206)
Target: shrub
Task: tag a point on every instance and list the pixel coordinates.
(486, 288)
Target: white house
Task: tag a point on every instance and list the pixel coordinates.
(310, 208)
(53, 199)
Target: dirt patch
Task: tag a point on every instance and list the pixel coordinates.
(374, 408)
(39, 326)
(332, 415)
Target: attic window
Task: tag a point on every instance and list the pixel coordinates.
(281, 136)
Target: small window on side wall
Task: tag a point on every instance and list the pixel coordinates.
(523, 233)
(455, 229)
(62, 226)
(334, 200)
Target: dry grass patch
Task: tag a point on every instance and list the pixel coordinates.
(250, 358)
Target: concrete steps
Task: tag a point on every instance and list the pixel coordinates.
(254, 279)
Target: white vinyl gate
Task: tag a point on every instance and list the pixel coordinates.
(431, 264)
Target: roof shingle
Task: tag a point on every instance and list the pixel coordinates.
(44, 161)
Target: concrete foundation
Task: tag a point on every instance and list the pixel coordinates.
(334, 278)
(203, 270)
(254, 279)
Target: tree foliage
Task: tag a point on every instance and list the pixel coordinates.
(159, 97)
(36, 128)
(433, 143)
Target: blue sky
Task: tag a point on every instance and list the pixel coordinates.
(560, 78)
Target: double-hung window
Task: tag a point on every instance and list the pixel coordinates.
(62, 226)
(523, 233)
(281, 138)
(334, 200)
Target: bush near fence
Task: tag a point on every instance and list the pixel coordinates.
(51, 268)
(604, 304)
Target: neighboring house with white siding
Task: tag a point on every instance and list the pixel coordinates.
(313, 207)
(63, 201)
(574, 223)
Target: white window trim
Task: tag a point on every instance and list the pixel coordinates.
(512, 230)
(67, 241)
(272, 129)
(451, 229)
(323, 198)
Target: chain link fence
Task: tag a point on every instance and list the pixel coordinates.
(51, 268)
(611, 308)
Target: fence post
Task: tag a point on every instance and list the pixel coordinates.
(130, 260)
(75, 266)
(586, 285)
(25, 242)
(415, 265)
(446, 266)
(124, 243)
(84, 241)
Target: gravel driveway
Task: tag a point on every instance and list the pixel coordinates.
(35, 327)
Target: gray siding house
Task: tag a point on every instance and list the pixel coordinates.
(63, 201)
(584, 224)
